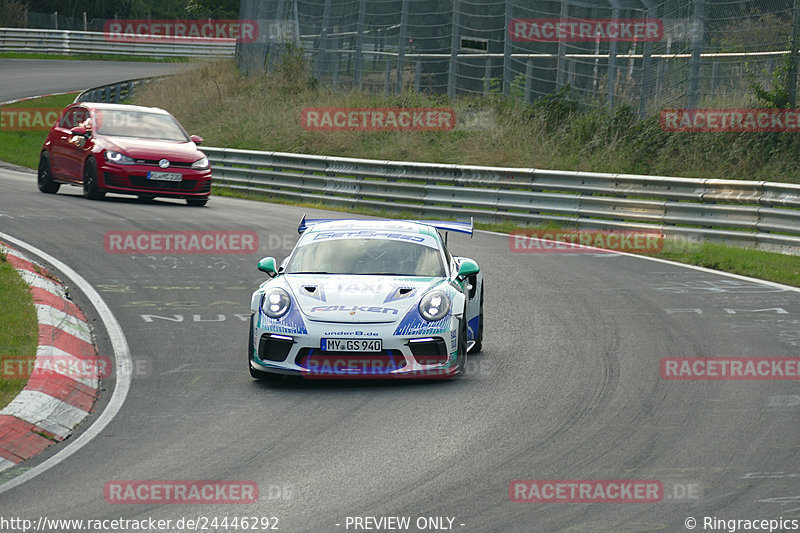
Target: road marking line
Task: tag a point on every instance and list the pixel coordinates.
(123, 366)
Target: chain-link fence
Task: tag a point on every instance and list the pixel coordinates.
(645, 53)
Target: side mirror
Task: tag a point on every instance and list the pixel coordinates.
(267, 265)
(468, 267)
(196, 139)
(79, 130)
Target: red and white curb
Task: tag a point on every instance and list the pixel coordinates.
(57, 397)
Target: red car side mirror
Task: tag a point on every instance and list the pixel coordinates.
(196, 139)
(78, 130)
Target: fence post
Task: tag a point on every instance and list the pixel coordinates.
(714, 77)
(401, 51)
(507, 49)
(359, 67)
(418, 77)
(387, 81)
(529, 81)
(487, 75)
(794, 57)
(698, 22)
(647, 65)
(562, 48)
(323, 40)
(612, 62)
(454, 45)
(336, 60)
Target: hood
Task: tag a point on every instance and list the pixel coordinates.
(356, 299)
(178, 152)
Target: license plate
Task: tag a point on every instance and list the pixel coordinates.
(351, 345)
(165, 176)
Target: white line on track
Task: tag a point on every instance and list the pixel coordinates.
(123, 366)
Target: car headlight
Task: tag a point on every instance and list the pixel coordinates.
(275, 303)
(434, 306)
(120, 159)
(200, 164)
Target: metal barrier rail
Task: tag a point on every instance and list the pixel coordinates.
(113, 92)
(758, 214)
(65, 42)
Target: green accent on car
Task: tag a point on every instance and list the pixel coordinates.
(267, 265)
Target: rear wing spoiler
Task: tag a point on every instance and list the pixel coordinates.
(443, 225)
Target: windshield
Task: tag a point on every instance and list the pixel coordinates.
(366, 256)
(139, 124)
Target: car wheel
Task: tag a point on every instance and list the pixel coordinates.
(197, 202)
(90, 189)
(462, 347)
(478, 346)
(257, 374)
(45, 177)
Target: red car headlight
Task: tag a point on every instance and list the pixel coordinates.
(120, 159)
(201, 164)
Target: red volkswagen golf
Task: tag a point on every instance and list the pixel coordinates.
(124, 149)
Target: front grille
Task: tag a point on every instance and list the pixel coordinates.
(272, 349)
(142, 182)
(371, 362)
(172, 164)
(432, 352)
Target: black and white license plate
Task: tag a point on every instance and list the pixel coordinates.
(165, 176)
(351, 345)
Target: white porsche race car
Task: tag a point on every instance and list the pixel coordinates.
(369, 299)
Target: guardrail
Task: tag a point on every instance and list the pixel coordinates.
(114, 92)
(746, 213)
(67, 42)
(758, 214)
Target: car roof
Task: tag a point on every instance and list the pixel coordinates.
(122, 107)
(395, 226)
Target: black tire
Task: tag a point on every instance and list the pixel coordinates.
(478, 346)
(196, 202)
(462, 347)
(44, 179)
(90, 188)
(257, 374)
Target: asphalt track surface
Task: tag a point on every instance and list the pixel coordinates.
(567, 387)
(20, 78)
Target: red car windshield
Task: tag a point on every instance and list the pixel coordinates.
(140, 124)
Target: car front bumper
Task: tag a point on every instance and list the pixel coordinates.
(132, 179)
(428, 356)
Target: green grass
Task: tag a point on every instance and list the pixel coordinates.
(18, 326)
(93, 57)
(770, 266)
(23, 147)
